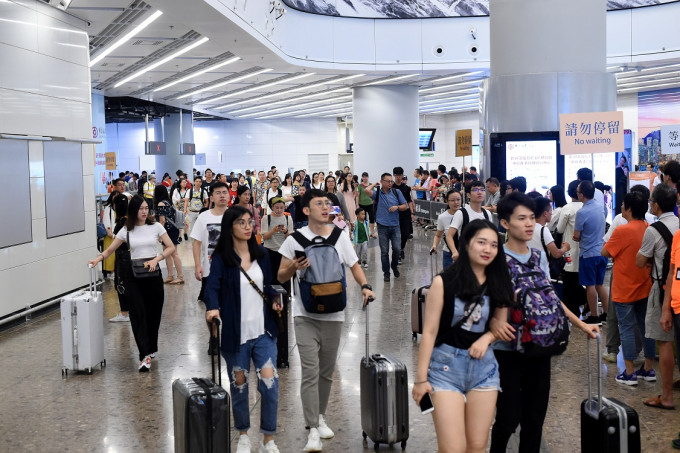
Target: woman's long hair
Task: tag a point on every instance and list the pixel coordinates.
(345, 186)
(161, 194)
(225, 244)
(461, 280)
(112, 197)
(133, 210)
(120, 206)
(558, 196)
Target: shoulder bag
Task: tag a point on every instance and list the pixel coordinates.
(139, 267)
(278, 319)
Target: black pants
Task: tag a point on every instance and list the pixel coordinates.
(122, 258)
(574, 294)
(405, 227)
(523, 401)
(146, 297)
(370, 215)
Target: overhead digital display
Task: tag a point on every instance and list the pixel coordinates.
(425, 138)
(420, 9)
(535, 160)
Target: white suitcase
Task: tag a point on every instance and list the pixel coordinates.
(82, 329)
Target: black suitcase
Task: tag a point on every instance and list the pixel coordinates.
(201, 412)
(607, 425)
(384, 398)
(418, 297)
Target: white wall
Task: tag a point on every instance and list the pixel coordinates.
(127, 141)
(628, 104)
(445, 138)
(45, 90)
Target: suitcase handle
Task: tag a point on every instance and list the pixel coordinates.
(367, 356)
(216, 322)
(92, 284)
(599, 378)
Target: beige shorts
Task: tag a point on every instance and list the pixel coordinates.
(653, 329)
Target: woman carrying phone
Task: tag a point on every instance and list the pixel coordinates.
(249, 329)
(145, 294)
(456, 367)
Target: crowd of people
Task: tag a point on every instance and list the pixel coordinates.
(255, 230)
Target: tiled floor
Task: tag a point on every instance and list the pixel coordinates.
(118, 409)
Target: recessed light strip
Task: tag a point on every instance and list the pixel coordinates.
(389, 80)
(258, 87)
(226, 82)
(452, 98)
(665, 79)
(446, 93)
(469, 82)
(284, 101)
(198, 73)
(125, 38)
(163, 61)
(638, 88)
(320, 107)
(296, 106)
(456, 76)
(291, 90)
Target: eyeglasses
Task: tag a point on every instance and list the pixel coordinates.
(478, 190)
(321, 204)
(243, 223)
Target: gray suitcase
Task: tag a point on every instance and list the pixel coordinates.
(384, 398)
(82, 329)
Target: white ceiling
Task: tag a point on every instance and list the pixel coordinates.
(259, 84)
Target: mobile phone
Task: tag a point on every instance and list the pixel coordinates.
(335, 210)
(300, 254)
(426, 405)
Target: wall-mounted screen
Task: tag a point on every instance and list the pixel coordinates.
(536, 160)
(64, 199)
(155, 148)
(425, 138)
(15, 223)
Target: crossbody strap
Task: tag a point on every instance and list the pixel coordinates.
(254, 285)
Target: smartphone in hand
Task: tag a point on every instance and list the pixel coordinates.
(300, 254)
(426, 405)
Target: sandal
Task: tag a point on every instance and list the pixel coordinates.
(656, 402)
(178, 281)
(169, 280)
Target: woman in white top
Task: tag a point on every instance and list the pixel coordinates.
(249, 330)
(145, 295)
(273, 192)
(178, 197)
(317, 181)
(109, 221)
(287, 188)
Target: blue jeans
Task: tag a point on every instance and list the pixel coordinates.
(446, 259)
(262, 350)
(629, 315)
(387, 234)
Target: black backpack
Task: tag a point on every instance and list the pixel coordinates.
(556, 265)
(668, 239)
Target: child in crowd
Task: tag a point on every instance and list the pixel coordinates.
(360, 239)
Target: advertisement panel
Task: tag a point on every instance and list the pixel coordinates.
(535, 160)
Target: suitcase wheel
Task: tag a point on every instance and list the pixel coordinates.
(103, 363)
(363, 433)
(403, 445)
(415, 337)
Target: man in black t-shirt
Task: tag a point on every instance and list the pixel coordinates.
(300, 217)
(405, 217)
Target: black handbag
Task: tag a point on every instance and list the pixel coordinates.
(140, 269)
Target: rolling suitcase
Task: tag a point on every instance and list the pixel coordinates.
(607, 425)
(384, 398)
(201, 414)
(418, 297)
(82, 329)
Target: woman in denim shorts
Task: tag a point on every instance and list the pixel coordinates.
(455, 364)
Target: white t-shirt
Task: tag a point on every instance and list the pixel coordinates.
(252, 313)
(347, 255)
(207, 230)
(443, 224)
(143, 240)
(535, 242)
(270, 222)
(457, 220)
(109, 218)
(178, 196)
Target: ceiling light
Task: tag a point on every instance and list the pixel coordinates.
(198, 73)
(126, 37)
(645, 76)
(283, 101)
(445, 110)
(343, 104)
(648, 86)
(393, 79)
(304, 104)
(451, 85)
(666, 79)
(465, 90)
(422, 107)
(291, 90)
(162, 61)
(452, 98)
(467, 74)
(226, 82)
(260, 87)
(658, 68)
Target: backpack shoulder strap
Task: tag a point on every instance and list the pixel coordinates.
(668, 239)
(301, 239)
(466, 219)
(335, 235)
(487, 215)
(545, 247)
(664, 232)
(269, 221)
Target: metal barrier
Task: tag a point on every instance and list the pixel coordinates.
(429, 210)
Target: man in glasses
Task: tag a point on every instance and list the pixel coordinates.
(205, 233)
(475, 192)
(387, 202)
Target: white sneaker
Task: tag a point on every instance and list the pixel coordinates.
(324, 431)
(145, 365)
(270, 447)
(243, 444)
(120, 318)
(313, 441)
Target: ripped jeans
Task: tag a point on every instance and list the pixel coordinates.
(262, 351)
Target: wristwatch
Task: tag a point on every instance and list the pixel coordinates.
(367, 286)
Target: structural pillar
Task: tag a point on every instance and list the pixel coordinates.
(174, 137)
(385, 129)
(547, 57)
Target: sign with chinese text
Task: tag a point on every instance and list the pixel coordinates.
(188, 149)
(588, 133)
(463, 142)
(670, 139)
(110, 161)
(156, 148)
